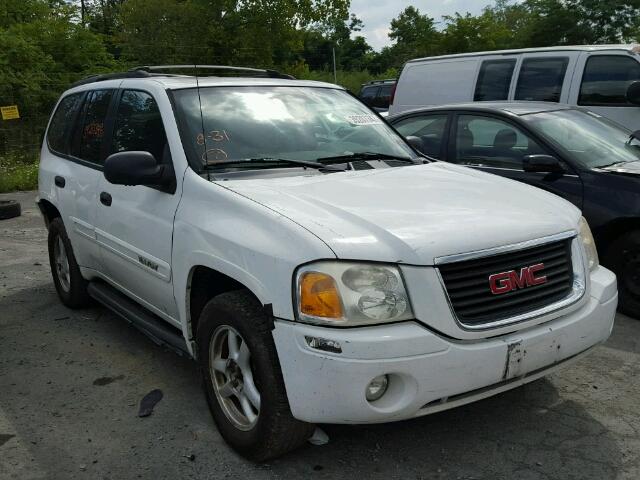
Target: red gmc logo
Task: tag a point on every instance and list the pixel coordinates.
(506, 282)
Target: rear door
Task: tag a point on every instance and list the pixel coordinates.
(601, 86)
(495, 78)
(497, 145)
(74, 160)
(545, 76)
(134, 224)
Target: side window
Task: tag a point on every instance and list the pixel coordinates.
(606, 79)
(61, 122)
(541, 79)
(139, 125)
(383, 97)
(368, 95)
(429, 128)
(91, 135)
(494, 80)
(491, 142)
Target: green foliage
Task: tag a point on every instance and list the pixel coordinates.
(18, 173)
(47, 44)
(351, 80)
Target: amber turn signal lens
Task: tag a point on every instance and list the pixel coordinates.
(319, 296)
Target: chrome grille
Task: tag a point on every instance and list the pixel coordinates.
(467, 283)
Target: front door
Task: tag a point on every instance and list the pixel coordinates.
(498, 146)
(135, 223)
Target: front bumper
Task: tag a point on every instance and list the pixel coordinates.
(429, 372)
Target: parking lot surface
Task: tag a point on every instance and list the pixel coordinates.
(71, 383)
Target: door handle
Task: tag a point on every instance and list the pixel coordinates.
(105, 199)
(59, 181)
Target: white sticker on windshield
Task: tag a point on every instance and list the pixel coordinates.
(363, 120)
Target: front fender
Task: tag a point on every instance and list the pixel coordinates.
(242, 239)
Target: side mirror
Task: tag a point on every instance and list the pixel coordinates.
(633, 93)
(415, 142)
(542, 164)
(139, 168)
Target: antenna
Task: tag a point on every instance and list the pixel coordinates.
(204, 138)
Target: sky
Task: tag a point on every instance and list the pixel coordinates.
(377, 14)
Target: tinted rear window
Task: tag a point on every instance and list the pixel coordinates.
(541, 79)
(61, 122)
(90, 143)
(494, 80)
(606, 79)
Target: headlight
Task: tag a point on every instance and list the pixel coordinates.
(589, 244)
(348, 294)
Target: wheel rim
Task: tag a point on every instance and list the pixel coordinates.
(232, 378)
(62, 264)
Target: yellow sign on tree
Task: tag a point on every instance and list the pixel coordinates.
(10, 112)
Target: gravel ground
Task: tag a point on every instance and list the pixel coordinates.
(71, 383)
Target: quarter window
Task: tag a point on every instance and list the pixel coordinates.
(139, 125)
(606, 79)
(91, 135)
(541, 79)
(491, 142)
(494, 80)
(61, 122)
(429, 128)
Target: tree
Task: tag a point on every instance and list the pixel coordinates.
(414, 34)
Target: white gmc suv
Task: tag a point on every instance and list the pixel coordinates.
(318, 269)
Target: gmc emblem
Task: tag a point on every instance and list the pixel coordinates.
(506, 282)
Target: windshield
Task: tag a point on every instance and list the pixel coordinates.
(586, 137)
(294, 123)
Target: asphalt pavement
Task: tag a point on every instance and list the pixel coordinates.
(71, 383)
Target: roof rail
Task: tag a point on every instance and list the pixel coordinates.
(157, 71)
(258, 72)
(109, 76)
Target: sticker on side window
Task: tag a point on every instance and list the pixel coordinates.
(363, 120)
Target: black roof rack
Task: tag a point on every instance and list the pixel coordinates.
(374, 82)
(144, 71)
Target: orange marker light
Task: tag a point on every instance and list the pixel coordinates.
(319, 296)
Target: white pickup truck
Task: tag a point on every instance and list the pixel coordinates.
(316, 267)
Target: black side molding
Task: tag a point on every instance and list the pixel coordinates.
(151, 325)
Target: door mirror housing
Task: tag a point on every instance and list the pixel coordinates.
(416, 142)
(633, 93)
(139, 168)
(542, 164)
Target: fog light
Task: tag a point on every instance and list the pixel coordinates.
(377, 387)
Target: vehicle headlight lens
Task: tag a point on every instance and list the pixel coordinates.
(589, 244)
(346, 293)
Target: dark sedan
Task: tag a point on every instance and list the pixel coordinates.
(579, 155)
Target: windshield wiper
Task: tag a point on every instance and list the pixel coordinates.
(271, 160)
(613, 164)
(364, 156)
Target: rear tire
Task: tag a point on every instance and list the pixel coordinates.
(71, 287)
(273, 431)
(623, 257)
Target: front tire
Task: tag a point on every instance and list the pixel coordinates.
(243, 381)
(71, 287)
(623, 257)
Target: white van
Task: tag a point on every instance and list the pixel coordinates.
(596, 77)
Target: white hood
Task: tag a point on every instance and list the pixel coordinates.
(412, 214)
